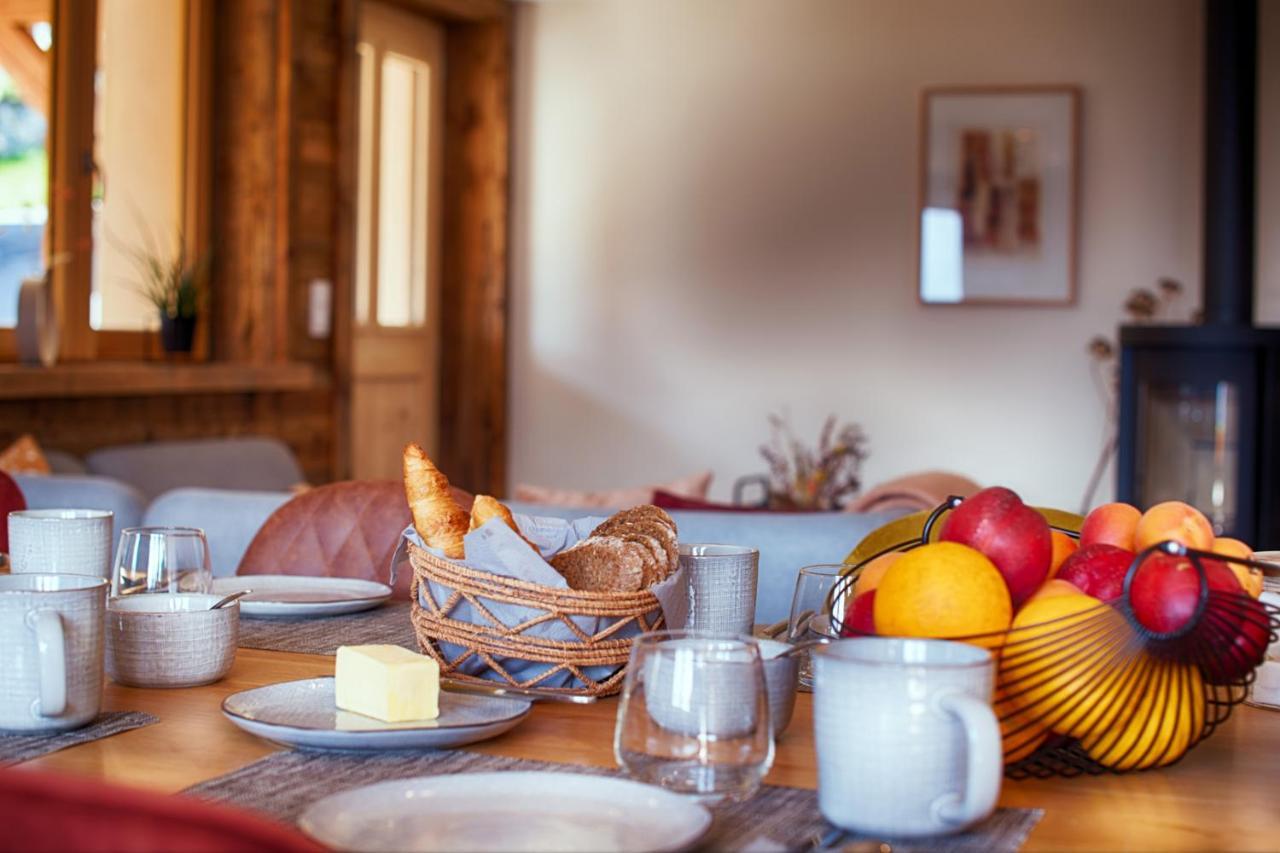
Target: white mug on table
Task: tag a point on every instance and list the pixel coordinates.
(51, 632)
(907, 743)
(60, 541)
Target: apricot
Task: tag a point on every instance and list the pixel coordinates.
(1175, 521)
(1110, 524)
(1052, 587)
(1063, 546)
(1249, 577)
(869, 577)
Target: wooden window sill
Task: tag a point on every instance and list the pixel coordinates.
(124, 379)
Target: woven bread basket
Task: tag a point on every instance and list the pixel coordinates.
(596, 660)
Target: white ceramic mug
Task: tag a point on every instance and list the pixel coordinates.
(60, 541)
(907, 743)
(51, 642)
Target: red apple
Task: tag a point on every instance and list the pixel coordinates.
(1011, 534)
(1249, 645)
(859, 618)
(1098, 570)
(1166, 590)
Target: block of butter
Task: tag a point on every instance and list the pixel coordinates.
(388, 683)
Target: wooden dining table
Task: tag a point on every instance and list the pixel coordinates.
(1225, 794)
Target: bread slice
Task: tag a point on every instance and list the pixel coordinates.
(603, 564)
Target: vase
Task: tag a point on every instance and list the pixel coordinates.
(177, 333)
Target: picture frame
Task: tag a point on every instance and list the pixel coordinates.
(998, 210)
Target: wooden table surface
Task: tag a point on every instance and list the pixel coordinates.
(1224, 795)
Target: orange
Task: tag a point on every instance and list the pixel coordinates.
(1063, 661)
(871, 574)
(1020, 731)
(1052, 587)
(943, 589)
(1063, 546)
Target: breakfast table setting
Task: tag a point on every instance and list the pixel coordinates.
(600, 684)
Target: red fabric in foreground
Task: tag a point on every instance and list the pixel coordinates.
(11, 499)
(42, 811)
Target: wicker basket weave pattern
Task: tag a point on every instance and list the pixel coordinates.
(484, 627)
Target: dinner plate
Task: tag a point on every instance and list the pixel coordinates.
(510, 811)
(300, 595)
(303, 714)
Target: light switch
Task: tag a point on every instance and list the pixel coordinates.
(319, 307)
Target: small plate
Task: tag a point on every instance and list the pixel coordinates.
(515, 810)
(299, 595)
(303, 714)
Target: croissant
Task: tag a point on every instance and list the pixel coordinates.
(436, 516)
(486, 507)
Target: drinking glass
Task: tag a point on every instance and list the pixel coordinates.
(818, 588)
(694, 715)
(162, 559)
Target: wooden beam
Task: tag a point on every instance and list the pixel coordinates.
(26, 63)
(345, 176)
(70, 234)
(458, 11)
(247, 183)
(473, 372)
(26, 11)
(132, 379)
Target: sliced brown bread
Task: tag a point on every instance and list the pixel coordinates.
(604, 564)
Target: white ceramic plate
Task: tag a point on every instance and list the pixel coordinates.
(302, 714)
(511, 811)
(299, 595)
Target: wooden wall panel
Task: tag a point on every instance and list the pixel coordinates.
(78, 425)
(474, 345)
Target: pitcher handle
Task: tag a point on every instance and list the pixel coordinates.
(52, 659)
(985, 757)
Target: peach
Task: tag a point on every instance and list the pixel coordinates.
(1063, 546)
(1249, 577)
(1052, 587)
(872, 572)
(1110, 524)
(1176, 521)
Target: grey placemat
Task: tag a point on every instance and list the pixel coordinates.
(321, 635)
(24, 747)
(776, 818)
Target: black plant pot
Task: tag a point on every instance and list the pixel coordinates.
(177, 333)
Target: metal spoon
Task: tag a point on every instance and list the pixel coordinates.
(803, 646)
(230, 598)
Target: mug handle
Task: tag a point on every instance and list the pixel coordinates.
(52, 658)
(986, 760)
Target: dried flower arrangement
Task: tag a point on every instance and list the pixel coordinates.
(824, 478)
(1142, 306)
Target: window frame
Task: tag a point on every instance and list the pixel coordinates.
(73, 58)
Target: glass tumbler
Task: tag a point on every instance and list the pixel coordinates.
(694, 715)
(162, 559)
(818, 589)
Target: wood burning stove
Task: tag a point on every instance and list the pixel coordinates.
(1200, 405)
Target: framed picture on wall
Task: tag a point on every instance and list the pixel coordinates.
(998, 187)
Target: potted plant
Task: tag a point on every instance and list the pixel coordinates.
(175, 286)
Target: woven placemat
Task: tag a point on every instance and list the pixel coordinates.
(776, 818)
(24, 747)
(321, 635)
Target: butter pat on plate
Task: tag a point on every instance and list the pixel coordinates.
(388, 683)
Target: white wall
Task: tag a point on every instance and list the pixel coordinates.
(715, 213)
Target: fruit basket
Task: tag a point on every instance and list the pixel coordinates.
(1086, 685)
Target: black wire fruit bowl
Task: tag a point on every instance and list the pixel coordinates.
(1084, 686)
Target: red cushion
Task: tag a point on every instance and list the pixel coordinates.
(11, 499)
(42, 811)
(666, 500)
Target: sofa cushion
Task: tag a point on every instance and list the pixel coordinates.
(73, 491)
(693, 486)
(340, 530)
(244, 463)
(229, 518)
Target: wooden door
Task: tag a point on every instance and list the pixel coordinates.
(396, 331)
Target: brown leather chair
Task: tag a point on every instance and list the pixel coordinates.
(348, 529)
